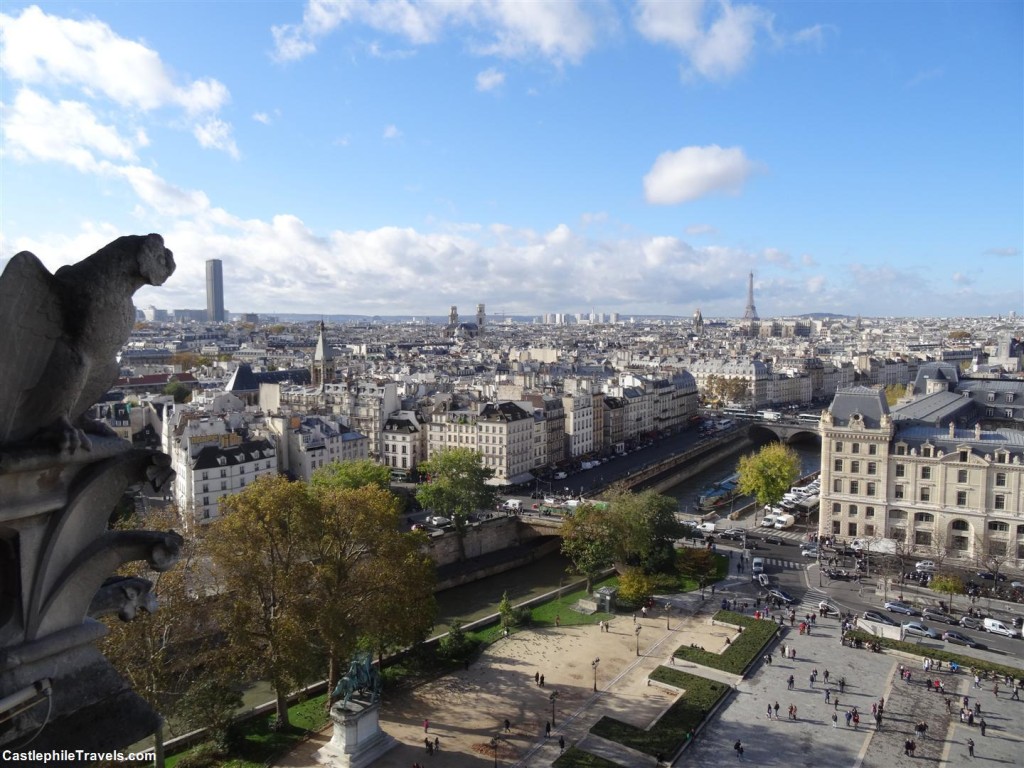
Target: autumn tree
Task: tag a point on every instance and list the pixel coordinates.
(894, 392)
(458, 487)
(644, 527)
(948, 584)
(635, 586)
(768, 474)
(587, 540)
(262, 563)
(179, 391)
(351, 474)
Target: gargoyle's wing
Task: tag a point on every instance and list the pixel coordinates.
(30, 324)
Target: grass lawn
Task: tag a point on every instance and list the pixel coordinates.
(577, 758)
(744, 649)
(678, 722)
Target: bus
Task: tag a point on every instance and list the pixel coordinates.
(809, 418)
(737, 412)
(770, 415)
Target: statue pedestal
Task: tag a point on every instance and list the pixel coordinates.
(358, 740)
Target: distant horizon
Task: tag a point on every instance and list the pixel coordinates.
(638, 156)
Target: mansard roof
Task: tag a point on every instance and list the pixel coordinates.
(867, 402)
(215, 457)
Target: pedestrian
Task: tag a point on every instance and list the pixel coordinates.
(878, 721)
(508, 726)
(769, 711)
(738, 746)
(825, 676)
(558, 620)
(828, 695)
(907, 678)
(849, 718)
(835, 719)
(970, 747)
(437, 744)
(547, 729)
(776, 708)
(874, 708)
(842, 684)
(836, 702)
(949, 706)
(634, 617)
(906, 747)
(983, 725)
(542, 681)
(426, 725)
(810, 679)
(791, 682)
(1016, 693)
(561, 744)
(429, 745)
(856, 718)
(977, 681)
(536, 677)
(995, 689)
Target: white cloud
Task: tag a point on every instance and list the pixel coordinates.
(164, 198)
(261, 117)
(36, 128)
(716, 40)
(391, 132)
(557, 30)
(806, 260)
(701, 229)
(489, 79)
(90, 60)
(694, 172)
(214, 133)
(1002, 252)
(959, 278)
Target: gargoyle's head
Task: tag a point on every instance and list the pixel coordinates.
(156, 263)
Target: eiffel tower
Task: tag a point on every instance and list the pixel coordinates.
(751, 311)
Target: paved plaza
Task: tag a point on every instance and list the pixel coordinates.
(467, 709)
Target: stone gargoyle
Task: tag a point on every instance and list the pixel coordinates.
(60, 334)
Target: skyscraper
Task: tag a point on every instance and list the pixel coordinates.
(214, 291)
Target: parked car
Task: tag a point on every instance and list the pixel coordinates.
(764, 580)
(881, 618)
(438, 520)
(773, 539)
(925, 565)
(958, 638)
(811, 552)
(895, 606)
(970, 622)
(736, 534)
(989, 576)
(934, 614)
(918, 629)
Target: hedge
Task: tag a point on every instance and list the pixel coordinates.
(667, 735)
(939, 654)
(757, 633)
(577, 758)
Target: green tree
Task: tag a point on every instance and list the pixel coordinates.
(645, 528)
(769, 473)
(894, 392)
(262, 562)
(211, 703)
(180, 392)
(457, 488)
(352, 474)
(635, 586)
(506, 611)
(587, 540)
(948, 584)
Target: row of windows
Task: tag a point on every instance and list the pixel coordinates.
(852, 510)
(871, 467)
(962, 498)
(870, 488)
(962, 475)
(855, 448)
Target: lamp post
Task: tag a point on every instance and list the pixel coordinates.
(636, 631)
(594, 664)
(668, 615)
(494, 743)
(553, 696)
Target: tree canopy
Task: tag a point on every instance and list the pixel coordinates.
(644, 529)
(458, 486)
(587, 541)
(769, 473)
(351, 474)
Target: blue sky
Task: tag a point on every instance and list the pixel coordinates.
(642, 158)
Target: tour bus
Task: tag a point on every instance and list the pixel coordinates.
(809, 418)
(736, 411)
(770, 415)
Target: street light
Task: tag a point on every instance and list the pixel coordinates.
(553, 696)
(594, 664)
(494, 743)
(636, 631)
(668, 615)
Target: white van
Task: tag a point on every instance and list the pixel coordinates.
(513, 505)
(995, 626)
(768, 521)
(785, 521)
(757, 566)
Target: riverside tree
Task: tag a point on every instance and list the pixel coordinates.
(769, 473)
(644, 529)
(351, 474)
(457, 488)
(587, 538)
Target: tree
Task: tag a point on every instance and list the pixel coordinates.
(948, 584)
(506, 611)
(645, 528)
(211, 703)
(263, 565)
(457, 488)
(180, 392)
(894, 392)
(587, 539)
(352, 474)
(635, 586)
(769, 473)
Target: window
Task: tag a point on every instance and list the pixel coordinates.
(1008, 413)
(872, 468)
(923, 538)
(852, 510)
(999, 502)
(926, 451)
(851, 529)
(898, 492)
(837, 527)
(924, 517)
(206, 475)
(839, 446)
(855, 466)
(855, 448)
(869, 511)
(995, 525)
(206, 501)
(854, 486)
(961, 475)
(837, 486)
(926, 473)
(963, 455)
(901, 470)
(961, 525)
(838, 465)
(991, 397)
(872, 449)
(926, 494)
(870, 489)
(837, 508)
(206, 487)
(997, 548)
(869, 530)
(1001, 479)
(898, 514)
(901, 450)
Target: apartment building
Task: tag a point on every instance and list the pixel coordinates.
(405, 441)
(918, 477)
(502, 433)
(311, 442)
